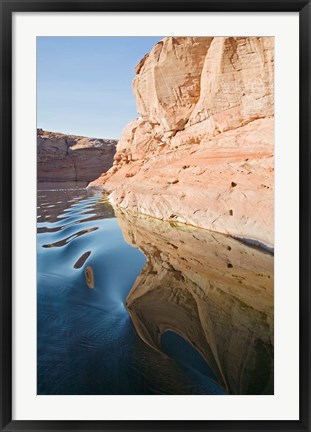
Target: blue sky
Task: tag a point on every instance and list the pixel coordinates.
(84, 84)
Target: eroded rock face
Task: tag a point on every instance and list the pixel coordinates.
(72, 158)
(213, 291)
(202, 150)
(167, 83)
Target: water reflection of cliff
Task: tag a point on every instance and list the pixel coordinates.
(213, 291)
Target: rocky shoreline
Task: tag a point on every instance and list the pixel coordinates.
(202, 150)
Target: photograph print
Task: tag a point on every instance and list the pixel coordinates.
(155, 215)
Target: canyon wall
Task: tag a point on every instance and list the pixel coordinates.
(72, 158)
(202, 150)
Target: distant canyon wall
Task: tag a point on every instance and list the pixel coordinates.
(72, 158)
(202, 150)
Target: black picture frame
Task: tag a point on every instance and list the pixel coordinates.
(8, 7)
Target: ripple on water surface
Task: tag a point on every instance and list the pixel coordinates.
(86, 341)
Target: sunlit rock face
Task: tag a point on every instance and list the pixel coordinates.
(202, 150)
(71, 158)
(167, 81)
(215, 292)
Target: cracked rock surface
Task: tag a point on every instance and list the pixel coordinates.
(202, 150)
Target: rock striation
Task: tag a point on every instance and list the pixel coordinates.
(210, 289)
(202, 150)
(72, 158)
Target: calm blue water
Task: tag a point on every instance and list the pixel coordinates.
(86, 341)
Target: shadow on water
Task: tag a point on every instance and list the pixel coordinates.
(87, 342)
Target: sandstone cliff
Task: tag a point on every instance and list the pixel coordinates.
(213, 291)
(202, 150)
(72, 158)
